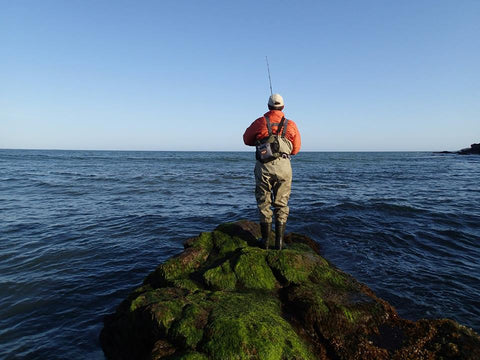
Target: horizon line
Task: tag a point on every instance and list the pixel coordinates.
(133, 150)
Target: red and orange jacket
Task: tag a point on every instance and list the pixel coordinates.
(258, 130)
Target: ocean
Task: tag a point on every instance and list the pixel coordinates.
(80, 229)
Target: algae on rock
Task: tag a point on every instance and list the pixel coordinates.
(226, 298)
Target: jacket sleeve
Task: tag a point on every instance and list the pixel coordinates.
(250, 135)
(296, 141)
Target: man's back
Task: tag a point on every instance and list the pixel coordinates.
(259, 130)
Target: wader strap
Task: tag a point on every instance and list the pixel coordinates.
(269, 126)
(280, 125)
(285, 127)
(283, 123)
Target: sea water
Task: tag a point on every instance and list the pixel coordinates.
(80, 229)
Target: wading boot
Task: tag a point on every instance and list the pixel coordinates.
(266, 229)
(279, 232)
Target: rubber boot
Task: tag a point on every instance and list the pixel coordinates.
(279, 232)
(266, 229)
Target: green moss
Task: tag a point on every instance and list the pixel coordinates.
(140, 290)
(165, 305)
(154, 296)
(181, 266)
(292, 265)
(199, 297)
(139, 302)
(226, 227)
(252, 270)
(173, 269)
(186, 284)
(327, 276)
(220, 277)
(126, 304)
(225, 244)
(352, 315)
(188, 330)
(243, 228)
(166, 312)
(312, 295)
(204, 241)
(249, 325)
(300, 247)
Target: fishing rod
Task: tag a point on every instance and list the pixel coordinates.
(269, 78)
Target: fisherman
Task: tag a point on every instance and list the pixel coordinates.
(276, 139)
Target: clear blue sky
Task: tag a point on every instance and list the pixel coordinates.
(191, 75)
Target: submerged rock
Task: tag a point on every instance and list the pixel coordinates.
(225, 298)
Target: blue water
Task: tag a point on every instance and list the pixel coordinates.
(80, 229)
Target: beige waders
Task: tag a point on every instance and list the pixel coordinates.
(273, 183)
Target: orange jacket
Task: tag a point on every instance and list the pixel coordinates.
(258, 130)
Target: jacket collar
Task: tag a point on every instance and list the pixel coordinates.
(274, 114)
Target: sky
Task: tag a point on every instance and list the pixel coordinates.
(191, 75)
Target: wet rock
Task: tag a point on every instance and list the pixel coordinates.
(225, 298)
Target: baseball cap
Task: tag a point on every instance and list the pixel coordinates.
(276, 101)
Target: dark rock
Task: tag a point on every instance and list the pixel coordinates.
(474, 149)
(225, 298)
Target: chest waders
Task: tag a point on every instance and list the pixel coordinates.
(269, 149)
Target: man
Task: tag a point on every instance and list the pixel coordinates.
(276, 139)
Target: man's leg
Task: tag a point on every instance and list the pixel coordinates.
(263, 195)
(281, 191)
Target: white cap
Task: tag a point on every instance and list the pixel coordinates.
(275, 101)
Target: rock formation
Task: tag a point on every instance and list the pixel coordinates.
(224, 298)
(474, 149)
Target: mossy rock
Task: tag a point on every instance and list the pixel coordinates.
(252, 270)
(250, 325)
(188, 329)
(186, 284)
(220, 277)
(293, 266)
(225, 244)
(226, 298)
(196, 252)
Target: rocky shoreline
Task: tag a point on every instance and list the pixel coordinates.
(474, 149)
(224, 297)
